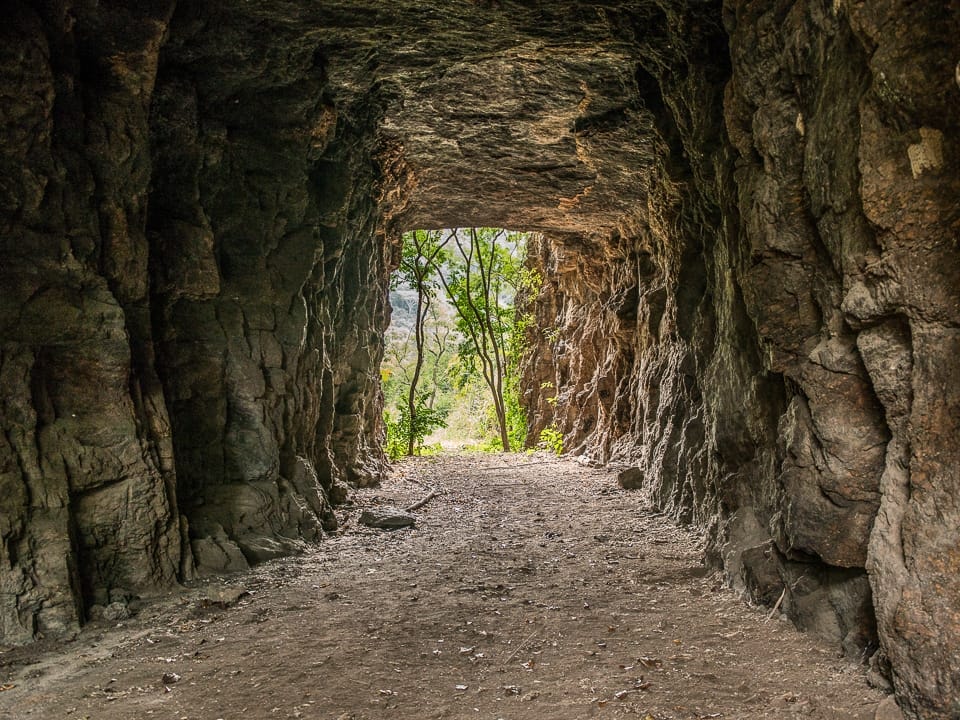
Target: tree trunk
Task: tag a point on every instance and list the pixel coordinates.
(423, 303)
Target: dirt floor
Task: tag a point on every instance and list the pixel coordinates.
(531, 587)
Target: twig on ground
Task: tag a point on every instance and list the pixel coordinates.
(777, 605)
(420, 503)
(519, 648)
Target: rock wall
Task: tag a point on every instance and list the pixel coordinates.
(268, 284)
(749, 258)
(88, 509)
(758, 355)
(192, 306)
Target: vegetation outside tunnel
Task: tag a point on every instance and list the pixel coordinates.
(453, 353)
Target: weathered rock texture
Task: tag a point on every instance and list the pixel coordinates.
(192, 304)
(749, 226)
(87, 490)
(773, 351)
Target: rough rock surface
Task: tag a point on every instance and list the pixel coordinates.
(748, 216)
(87, 495)
(630, 479)
(192, 304)
(386, 517)
(773, 353)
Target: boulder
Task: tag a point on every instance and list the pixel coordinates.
(386, 517)
(630, 479)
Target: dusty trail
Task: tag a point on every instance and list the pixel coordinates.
(530, 588)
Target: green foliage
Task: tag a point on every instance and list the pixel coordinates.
(516, 423)
(551, 439)
(396, 436)
(418, 267)
(461, 357)
(516, 416)
(483, 273)
(400, 429)
(552, 400)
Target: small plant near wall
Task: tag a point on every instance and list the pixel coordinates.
(551, 440)
(552, 400)
(552, 335)
(400, 430)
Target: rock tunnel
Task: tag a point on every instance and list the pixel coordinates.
(748, 225)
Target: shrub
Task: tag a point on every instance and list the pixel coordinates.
(551, 439)
(399, 429)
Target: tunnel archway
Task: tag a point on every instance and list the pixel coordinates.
(748, 216)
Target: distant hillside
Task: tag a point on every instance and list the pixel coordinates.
(404, 304)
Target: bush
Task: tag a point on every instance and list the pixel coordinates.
(399, 429)
(396, 436)
(551, 439)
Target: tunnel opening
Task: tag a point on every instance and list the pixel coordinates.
(456, 342)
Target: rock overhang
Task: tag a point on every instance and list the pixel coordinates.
(557, 143)
(489, 113)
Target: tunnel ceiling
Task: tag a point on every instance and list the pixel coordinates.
(486, 117)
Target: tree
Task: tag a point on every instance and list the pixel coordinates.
(440, 341)
(480, 275)
(418, 268)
